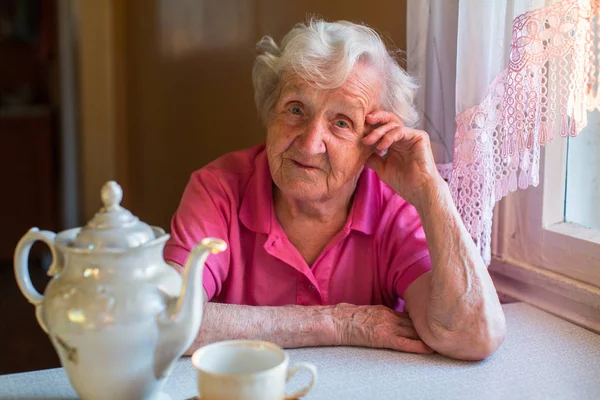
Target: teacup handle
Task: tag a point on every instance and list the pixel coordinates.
(293, 370)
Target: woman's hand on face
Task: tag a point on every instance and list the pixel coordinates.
(378, 327)
(409, 166)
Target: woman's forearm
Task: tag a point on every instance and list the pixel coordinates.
(463, 307)
(287, 326)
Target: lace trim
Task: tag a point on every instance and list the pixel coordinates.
(550, 84)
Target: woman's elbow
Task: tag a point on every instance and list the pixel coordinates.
(475, 342)
(487, 339)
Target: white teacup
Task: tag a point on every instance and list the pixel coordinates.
(246, 370)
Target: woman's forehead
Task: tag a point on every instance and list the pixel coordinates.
(360, 89)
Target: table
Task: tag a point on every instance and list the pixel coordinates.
(543, 357)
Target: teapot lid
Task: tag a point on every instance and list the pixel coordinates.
(113, 227)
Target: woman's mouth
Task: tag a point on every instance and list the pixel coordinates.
(303, 166)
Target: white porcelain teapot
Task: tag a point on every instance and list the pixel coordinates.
(116, 313)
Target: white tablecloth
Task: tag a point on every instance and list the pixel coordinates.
(543, 357)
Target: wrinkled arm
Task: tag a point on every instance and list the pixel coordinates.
(455, 307)
(308, 326)
(287, 326)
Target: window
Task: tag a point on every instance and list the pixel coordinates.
(546, 239)
(582, 203)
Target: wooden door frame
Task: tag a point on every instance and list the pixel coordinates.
(101, 52)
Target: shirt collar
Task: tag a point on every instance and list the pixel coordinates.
(257, 204)
(363, 213)
(256, 209)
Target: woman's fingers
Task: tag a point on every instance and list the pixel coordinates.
(379, 132)
(407, 332)
(410, 346)
(404, 319)
(390, 130)
(392, 133)
(383, 122)
(382, 117)
(390, 138)
(401, 341)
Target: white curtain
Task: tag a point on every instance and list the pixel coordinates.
(498, 80)
(432, 33)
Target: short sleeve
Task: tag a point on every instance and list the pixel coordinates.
(204, 211)
(405, 250)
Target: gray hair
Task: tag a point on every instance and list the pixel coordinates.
(324, 53)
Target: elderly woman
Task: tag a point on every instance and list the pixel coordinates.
(327, 222)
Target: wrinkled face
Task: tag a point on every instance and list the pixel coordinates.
(314, 135)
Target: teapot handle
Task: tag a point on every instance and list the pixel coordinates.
(21, 266)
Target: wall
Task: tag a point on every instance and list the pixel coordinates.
(187, 83)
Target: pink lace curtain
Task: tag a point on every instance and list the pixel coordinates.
(523, 73)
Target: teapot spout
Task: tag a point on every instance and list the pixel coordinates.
(183, 316)
(189, 305)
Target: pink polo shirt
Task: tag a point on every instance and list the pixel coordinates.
(378, 253)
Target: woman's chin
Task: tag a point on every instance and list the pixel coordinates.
(302, 189)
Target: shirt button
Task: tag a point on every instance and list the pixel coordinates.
(312, 287)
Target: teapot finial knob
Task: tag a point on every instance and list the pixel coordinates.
(111, 194)
(113, 226)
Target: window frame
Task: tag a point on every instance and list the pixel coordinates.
(538, 257)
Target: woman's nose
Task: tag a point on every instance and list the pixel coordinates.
(311, 140)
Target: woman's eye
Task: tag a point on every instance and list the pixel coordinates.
(295, 110)
(342, 124)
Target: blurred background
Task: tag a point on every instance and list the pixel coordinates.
(139, 91)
